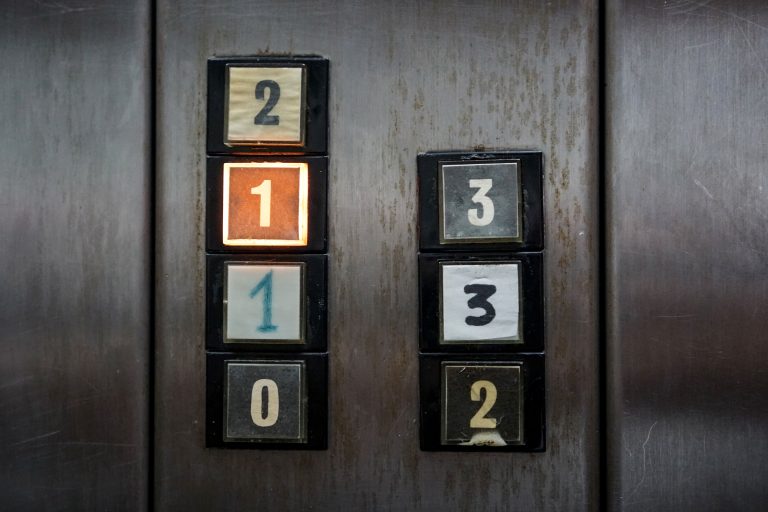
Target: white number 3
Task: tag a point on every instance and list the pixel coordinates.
(485, 215)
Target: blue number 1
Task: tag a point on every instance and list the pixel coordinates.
(266, 284)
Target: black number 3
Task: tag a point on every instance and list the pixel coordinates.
(480, 300)
(274, 95)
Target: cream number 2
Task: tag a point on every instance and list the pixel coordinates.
(479, 420)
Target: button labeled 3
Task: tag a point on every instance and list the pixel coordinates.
(480, 202)
(480, 301)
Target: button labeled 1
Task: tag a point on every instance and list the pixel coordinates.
(264, 302)
(481, 404)
(265, 401)
(480, 302)
(265, 204)
(480, 202)
(265, 105)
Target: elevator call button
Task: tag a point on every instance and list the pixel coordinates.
(265, 104)
(481, 404)
(265, 401)
(266, 235)
(265, 204)
(264, 302)
(480, 301)
(480, 201)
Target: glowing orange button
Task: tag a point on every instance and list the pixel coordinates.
(265, 204)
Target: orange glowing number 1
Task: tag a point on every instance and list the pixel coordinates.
(264, 191)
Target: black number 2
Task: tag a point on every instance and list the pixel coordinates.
(480, 300)
(274, 95)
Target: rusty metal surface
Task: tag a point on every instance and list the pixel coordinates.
(687, 245)
(74, 253)
(405, 77)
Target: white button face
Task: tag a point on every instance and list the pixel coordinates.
(480, 302)
(264, 302)
(265, 105)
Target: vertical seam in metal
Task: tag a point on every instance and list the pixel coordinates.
(152, 248)
(602, 252)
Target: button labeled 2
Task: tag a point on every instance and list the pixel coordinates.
(265, 401)
(480, 301)
(265, 105)
(264, 302)
(482, 403)
(265, 204)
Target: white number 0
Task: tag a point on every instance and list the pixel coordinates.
(273, 403)
(485, 217)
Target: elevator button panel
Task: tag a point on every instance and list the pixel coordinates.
(267, 104)
(266, 267)
(481, 301)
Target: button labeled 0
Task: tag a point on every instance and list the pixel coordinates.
(265, 401)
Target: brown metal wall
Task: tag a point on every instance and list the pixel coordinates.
(74, 253)
(405, 77)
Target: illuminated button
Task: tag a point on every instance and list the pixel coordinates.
(265, 401)
(480, 302)
(264, 302)
(265, 105)
(265, 204)
(481, 404)
(480, 202)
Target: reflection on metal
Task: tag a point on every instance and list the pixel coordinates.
(686, 262)
(75, 255)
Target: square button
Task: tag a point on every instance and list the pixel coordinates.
(264, 302)
(480, 202)
(265, 105)
(481, 404)
(265, 204)
(265, 401)
(480, 302)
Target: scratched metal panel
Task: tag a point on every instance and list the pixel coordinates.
(405, 77)
(74, 204)
(687, 202)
